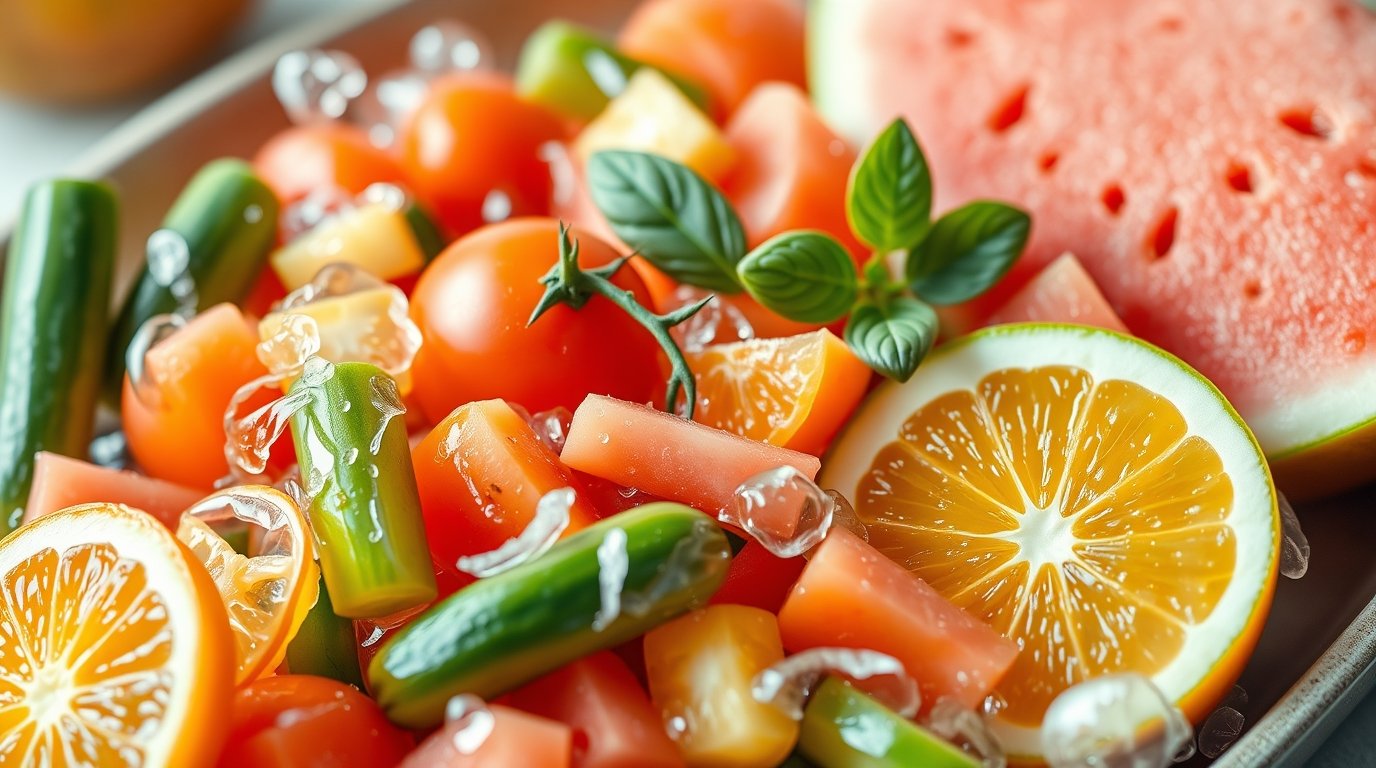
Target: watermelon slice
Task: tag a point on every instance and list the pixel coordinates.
(1213, 164)
(1063, 292)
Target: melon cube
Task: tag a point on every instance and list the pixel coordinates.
(375, 237)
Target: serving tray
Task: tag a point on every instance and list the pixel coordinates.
(1316, 656)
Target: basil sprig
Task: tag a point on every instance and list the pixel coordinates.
(685, 227)
(669, 215)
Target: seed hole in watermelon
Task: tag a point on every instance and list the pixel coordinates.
(1251, 289)
(1342, 11)
(1113, 199)
(1163, 234)
(1367, 167)
(1354, 341)
(1307, 121)
(959, 38)
(1240, 177)
(1171, 24)
(1009, 111)
(1048, 161)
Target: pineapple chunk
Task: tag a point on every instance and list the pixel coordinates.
(653, 115)
(375, 237)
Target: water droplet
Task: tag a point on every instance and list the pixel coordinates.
(316, 86)
(474, 722)
(604, 438)
(1220, 730)
(961, 725)
(154, 330)
(787, 683)
(552, 427)
(783, 510)
(496, 207)
(550, 520)
(1119, 719)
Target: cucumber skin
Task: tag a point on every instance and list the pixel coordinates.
(227, 252)
(52, 329)
(325, 645)
(836, 707)
(372, 569)
(503, 631)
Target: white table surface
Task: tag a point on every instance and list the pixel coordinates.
(37, 142)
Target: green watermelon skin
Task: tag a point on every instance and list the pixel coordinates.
(1212, 163)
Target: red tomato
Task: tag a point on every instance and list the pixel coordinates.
(300, 721)
(472, 304)
(308, 157)
(473, 136)
(758, 578)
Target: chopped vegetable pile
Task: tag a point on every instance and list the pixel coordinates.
(612, 413)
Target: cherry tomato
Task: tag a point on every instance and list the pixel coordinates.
(472, 305)
(473, 137)
(302, 159)
(303, 721)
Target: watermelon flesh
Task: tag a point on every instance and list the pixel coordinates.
(1212, 164)
(1063, 292)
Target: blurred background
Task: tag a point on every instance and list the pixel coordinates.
(71, 70)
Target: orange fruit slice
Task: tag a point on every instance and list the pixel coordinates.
(114, 649)
(268, 595)
(1083, 492)
(793, 392)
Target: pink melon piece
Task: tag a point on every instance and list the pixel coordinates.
(1063, 292)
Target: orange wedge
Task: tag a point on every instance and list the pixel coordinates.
(795, 391)
(114, 649)
(1083, 492)
(268, 595)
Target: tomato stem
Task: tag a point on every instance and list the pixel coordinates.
(569, 284)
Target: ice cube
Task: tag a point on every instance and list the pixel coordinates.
(550, 520)
(961, 725)
(448, 46)
(384, 107)
(552, 427)
(787, 683)
(716, 323)
(1120, 720)
(783, 510)
(474, 720)
(318, 206)
(612, 566)
(843, 516)
(316, 86)
(153, 330)
(1294, 550)
(1220, 729)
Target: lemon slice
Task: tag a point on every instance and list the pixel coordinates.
(1086, 494)
(114, 648)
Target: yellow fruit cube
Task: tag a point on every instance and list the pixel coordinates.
(375, 237)
(356, 327)
(653, 115)
(700, 667)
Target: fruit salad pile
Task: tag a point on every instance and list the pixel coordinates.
(618, 411)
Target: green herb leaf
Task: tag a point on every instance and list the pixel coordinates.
(967, 251)
(805, 276)
(670, 215)
(893, 337)
(889, 198)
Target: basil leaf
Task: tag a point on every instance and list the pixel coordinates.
(670, 215)
(894, 337)
(805, 276)
(889, 197)
(967, 251)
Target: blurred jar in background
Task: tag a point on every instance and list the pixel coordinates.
(80, 51)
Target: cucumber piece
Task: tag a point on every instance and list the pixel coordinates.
(52, 330)
(509, 629)
(325, 644)
(352, 450)
(227, 217)
(844, 728)
(575, 71)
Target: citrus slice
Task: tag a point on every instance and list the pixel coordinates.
(114, 650)
(793, 392)
(268, 595)
(1083, 492)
